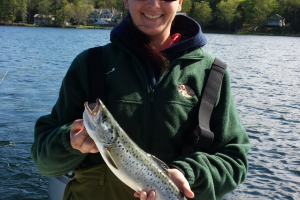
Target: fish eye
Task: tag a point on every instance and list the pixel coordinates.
(104, 117)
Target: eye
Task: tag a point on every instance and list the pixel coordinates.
(104, 117)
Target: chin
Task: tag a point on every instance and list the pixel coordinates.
(151, 31)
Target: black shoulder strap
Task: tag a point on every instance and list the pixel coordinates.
(203, 137)
(96, 74)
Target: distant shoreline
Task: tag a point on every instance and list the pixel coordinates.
(204, 31)
(53, 26)
(252, 33)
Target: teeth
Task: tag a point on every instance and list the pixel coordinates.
(153, 17)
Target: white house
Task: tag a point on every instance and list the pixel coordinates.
(276, 20)
(42, 19)
(104, 14)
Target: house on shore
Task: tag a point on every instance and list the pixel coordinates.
(107, 15)
(276, 20)
(43, 19)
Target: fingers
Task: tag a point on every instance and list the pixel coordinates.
(136, 194)
(151, 195)
(144, 196)
(80, 139)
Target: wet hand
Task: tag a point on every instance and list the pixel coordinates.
(80, 139)
(145, 196)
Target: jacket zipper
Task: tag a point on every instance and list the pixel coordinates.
(151, 121)
(152, 109)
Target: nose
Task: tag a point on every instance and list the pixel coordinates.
(153, 4)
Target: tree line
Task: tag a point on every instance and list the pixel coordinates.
(211, 14)
(234, 14)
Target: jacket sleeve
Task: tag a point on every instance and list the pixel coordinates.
(51, 150)
(214, 173)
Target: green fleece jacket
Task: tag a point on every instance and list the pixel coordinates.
(156, 118)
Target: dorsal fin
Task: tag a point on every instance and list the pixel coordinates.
(160, 163)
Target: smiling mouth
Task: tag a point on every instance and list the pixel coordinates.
(152, 16)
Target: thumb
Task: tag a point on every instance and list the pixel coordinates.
(186, 189)
(78, 131)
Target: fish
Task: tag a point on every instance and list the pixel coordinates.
(131, 164)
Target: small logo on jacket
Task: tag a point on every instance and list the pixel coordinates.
(186, 91)
(113, 69)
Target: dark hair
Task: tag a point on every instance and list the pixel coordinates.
(146, 48)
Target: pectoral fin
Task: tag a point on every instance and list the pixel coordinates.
(110, 159)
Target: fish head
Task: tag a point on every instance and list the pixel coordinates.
(99, 123)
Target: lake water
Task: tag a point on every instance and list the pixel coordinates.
(265, 75)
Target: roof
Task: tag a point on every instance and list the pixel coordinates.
(277, 16)
(111, 10)
(44, 16)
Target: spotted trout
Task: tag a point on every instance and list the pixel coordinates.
(133, 166)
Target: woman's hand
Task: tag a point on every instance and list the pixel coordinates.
(180, 181)
(80, 139)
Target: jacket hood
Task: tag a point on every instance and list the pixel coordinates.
(190, 30)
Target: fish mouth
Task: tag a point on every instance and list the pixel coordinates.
(93, 114)
(94, 108)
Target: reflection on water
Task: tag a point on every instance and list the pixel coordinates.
(265, 81)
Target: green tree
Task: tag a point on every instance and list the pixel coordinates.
(294, 7)
(187, 6)
(59, 10)
(44, 11)
(2, 10)
(262, 11)
(101, 4)
(248, 7)
(202, 13)
(32, 9)
(227, 11)
(111, 3)
(9, 10)
(81, 10)
(23, 10)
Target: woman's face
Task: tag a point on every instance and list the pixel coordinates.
(153, 17)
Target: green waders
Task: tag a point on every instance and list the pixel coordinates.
(97, 183)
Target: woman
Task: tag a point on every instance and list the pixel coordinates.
(153, 53)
